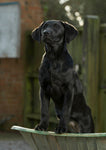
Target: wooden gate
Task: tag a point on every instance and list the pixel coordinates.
(33, 55)
(88, 52)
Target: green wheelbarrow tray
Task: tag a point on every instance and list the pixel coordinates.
(41, 140)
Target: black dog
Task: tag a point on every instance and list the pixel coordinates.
(59, 81)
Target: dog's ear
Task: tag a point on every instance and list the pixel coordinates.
(70, 31)
(36, 33)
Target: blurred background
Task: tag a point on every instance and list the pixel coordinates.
(20, 57)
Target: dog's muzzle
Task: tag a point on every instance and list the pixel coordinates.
(46, 36)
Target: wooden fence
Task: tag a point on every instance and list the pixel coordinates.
(88, 52)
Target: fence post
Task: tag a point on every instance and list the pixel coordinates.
(91, 63)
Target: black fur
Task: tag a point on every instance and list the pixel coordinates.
(59, 81)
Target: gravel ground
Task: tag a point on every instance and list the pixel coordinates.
(13, 141)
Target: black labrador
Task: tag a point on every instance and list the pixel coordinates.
(59, 81)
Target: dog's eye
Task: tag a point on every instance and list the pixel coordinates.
(56, 26)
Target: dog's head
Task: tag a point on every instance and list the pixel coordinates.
(54, 31)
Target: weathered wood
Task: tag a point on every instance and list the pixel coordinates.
(91, 63)
(33, 54)
(101, 143)
(53, 143)
(29, 139)
(41, 140)
(82, 143)
(102, 80)
(91, 143)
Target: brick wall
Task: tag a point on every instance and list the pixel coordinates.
(12, 70)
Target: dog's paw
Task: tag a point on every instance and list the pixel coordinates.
(60, 130)
(40, 128)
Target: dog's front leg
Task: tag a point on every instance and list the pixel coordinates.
(66, 110)
(45, 100)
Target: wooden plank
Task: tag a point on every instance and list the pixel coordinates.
(83, 135)
(101, 143)
(33, 53)
(102, 110)
(91, 63)
(71, 143)
(41, 142)
(102, 81)
(62, 143)
(28, 138)
(91, 143)
(82, 144)
(53, 143)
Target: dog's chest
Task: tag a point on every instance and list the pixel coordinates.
(56, 79)
(51, 73)
(56, 73)
(53, 77)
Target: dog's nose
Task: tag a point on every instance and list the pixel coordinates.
(45, 32)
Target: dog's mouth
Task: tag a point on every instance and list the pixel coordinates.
(46, 39)
(49, 39)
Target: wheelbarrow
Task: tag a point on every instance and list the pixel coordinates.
(41, 140)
